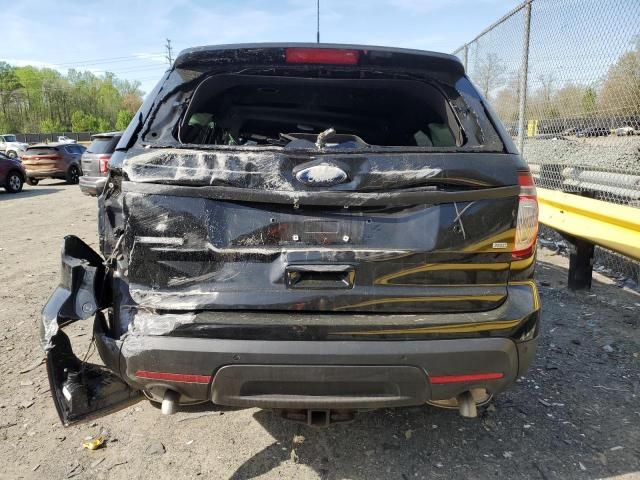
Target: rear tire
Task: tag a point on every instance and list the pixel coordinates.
(14, 182)
(73, 175)
(12, 154)
(33, 181)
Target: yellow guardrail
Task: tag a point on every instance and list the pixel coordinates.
(616, 227)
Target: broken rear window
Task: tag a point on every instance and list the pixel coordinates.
(261, 110)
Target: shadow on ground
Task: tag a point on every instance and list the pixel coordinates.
(575, 414)
(27, 193)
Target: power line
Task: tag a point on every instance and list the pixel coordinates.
(100, 61)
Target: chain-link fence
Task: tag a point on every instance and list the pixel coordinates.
(564, 77)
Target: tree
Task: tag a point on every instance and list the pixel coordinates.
(488, 73)
(83, 122)
(589, 101)
(9, 86)
(41, 99)
(123, 120)
(620, 94)
(507, 99)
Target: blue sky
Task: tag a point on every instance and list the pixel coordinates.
(127, 37)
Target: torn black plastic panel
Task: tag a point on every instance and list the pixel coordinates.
(82, 290)
(81, 390)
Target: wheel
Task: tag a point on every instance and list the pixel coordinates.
(12, 154)
(14, 182)
(73, 174)
(33, 181)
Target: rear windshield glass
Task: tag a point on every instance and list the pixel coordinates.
(274, 111)
(42, 150)
(103, 145)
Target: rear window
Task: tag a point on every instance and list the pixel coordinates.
(261, 110)
(103, 145)
(42, 150)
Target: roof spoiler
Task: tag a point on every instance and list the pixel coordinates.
(280, 54)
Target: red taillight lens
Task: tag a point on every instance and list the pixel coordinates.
(103, 162)
(329, 56)
(174, 377)
(527, 222)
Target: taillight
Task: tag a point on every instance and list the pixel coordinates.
(527, 222)
(327, 56)
(103, 162)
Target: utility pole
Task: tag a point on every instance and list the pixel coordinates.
(318, 22)
(169, 55)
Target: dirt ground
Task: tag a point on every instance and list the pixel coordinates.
(575, 415)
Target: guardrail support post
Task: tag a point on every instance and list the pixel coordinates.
(580, 264)
(581, 258)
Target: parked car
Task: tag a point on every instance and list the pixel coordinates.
(594, 132)
(95, 162)
(10, 146)
(65, 139)
(624, 131)
(12, 173)
(53, 160)
(316, 230)
(570, 131)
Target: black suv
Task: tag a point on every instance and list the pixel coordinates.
(314, 229)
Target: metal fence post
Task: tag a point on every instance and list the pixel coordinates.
(524, 70)
(466, 58)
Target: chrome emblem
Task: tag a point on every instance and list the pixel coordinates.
(321, 175)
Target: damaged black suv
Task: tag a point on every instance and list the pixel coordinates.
(314, 229)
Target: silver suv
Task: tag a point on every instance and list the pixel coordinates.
(95, 162)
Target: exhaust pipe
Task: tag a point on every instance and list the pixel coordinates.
(466, 405)
(170, 402)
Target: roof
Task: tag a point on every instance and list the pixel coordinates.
(45, 145)
(106, 134)
(260, 53)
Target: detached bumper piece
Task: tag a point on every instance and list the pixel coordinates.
(80, 390)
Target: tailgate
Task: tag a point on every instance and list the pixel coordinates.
(90, 165)
(259, 239)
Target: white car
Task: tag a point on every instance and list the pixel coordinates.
(624, 131)
(10, 146)
(64, 139)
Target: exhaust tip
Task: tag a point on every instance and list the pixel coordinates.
(170, 403)
(467, 405)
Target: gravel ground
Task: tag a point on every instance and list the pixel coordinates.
(575, 415)
(619, 153)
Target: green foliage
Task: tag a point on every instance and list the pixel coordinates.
(589, 101)
(123, 120)
(45, 100)
(50, 126)
(83, 122)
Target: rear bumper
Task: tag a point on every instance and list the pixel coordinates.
(320, 374)
(92, 186)
(41, 174)
(334, 361)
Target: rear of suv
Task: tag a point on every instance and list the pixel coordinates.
(314, 229)
(95, 161)
(53, 160)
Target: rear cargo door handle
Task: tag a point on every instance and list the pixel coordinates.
(320, 276)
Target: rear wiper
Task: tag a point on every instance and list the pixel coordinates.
(322, 137)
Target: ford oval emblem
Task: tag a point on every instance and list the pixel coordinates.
(321, 175)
